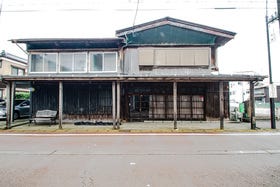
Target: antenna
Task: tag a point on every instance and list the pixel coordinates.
(136, 11)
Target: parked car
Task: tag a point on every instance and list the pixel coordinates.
(22, 108)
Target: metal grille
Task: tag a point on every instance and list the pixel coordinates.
(160, 107)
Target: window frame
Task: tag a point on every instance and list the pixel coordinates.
(88, 62)
(73, 62)
(43, 66)
(103, 67)
(18, 69)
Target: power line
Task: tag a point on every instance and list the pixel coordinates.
(147, 5)
(126, 10)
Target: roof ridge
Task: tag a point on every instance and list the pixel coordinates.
(170, 20)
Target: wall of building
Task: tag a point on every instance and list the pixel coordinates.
(140, 101)
(6, 66)
(167, 61)
(81, 100)
(10, 67)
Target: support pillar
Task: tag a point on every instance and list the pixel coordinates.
(114, 104)
(8, 106)
(175, 104)
(13, 89)
(60, 106)
(221, 101)
(252, 106)
(118, 104)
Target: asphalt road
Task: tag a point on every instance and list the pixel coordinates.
(140, 160)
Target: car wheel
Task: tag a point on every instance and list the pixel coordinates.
(16, 115)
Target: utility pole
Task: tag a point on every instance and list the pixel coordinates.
(272, 102)
(278, 10)
(1, 4)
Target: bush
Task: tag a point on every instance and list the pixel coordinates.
(22, 95)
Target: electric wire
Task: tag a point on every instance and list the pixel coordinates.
(32, 5)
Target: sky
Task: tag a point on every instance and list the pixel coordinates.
(247, 52)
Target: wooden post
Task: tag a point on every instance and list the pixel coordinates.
(175, 104)
(60, 107)
(13, 89)
(252, 106)
(221, 101)
(114, 104)
(8, 106)
(118, 104)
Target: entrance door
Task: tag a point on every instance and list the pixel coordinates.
(138, 107)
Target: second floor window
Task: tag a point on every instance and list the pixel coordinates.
(43, 62)
(17, 71)
(73, 62)
(76, 62)
(103, 62)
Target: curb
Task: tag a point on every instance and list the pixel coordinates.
(133, 131)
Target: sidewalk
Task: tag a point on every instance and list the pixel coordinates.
(22, 126)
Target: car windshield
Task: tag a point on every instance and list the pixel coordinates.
(17, 102)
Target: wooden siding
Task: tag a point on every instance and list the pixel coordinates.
(139, 100)
(190, 56)
(81, 100)
(154, 101)
(212, 100)
(87, 101)
(44, 96)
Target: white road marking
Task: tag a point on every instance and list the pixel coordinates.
(198, 152)
(148, 134)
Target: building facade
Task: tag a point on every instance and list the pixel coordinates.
(262, 93)
(161, 70)
(11, 65)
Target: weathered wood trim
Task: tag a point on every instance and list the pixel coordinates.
(13, 89)
(175, 104)
(185, 25)
(221, 100)
(114, 104)
(252, 106)
(8, 105)
(139, 78)
(60, 106)
(118, 103)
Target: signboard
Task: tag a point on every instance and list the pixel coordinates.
(272, 91)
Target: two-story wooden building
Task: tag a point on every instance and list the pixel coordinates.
(161, 70)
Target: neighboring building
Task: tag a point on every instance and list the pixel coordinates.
(134, 77)
(239, 91)
(11, 65)
(262, 93)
